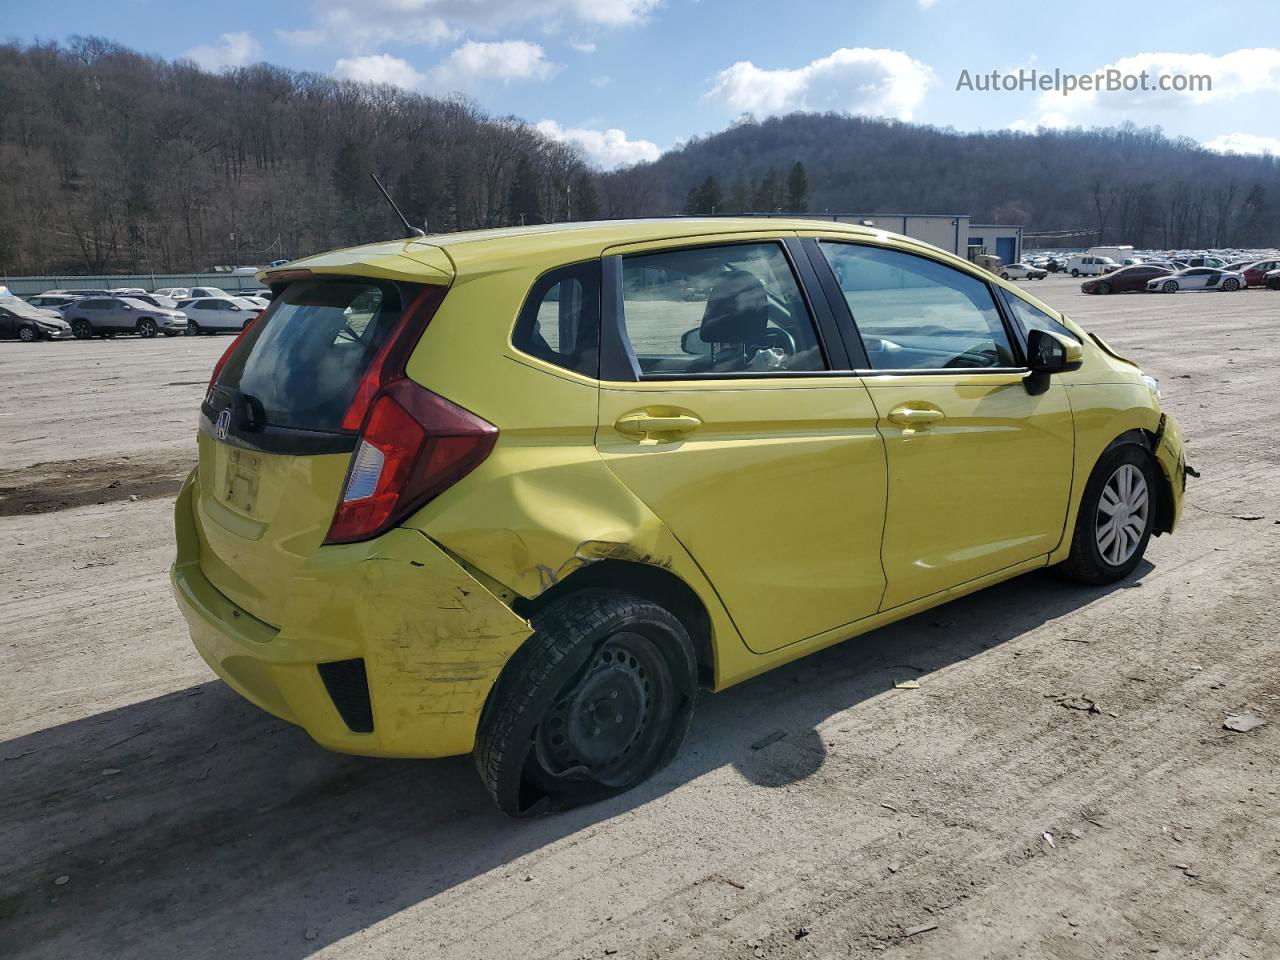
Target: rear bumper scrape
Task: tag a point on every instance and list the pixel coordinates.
(433, 640)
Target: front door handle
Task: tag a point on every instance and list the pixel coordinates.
(643, 423)
(908, 416)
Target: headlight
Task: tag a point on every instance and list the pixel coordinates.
(1153, 385)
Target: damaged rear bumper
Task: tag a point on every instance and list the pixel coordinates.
(430, 638)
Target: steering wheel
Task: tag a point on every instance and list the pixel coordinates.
(779, 337)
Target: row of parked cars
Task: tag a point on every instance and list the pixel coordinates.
(1105, 275)
(169, 311)
(1203, 273)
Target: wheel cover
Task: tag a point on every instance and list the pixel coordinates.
(608, 723)
(1122, 516)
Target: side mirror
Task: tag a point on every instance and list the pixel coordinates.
(691, 342)
(1052, 353)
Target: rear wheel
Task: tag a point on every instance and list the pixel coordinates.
(82, 329)
(147, 327)
(1116, 518)
(28, 334)
(596, 701)
(1231, 283)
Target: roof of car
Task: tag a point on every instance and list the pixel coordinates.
(439, 257)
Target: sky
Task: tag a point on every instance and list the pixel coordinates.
(628, 79)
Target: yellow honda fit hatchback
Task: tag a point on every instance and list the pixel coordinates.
(521, 492)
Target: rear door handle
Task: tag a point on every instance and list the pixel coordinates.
(642, 423)
(908, 416)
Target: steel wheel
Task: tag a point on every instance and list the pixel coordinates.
(1123, 514)
(606, 726)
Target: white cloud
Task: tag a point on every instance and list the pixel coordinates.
(872, 82)
(1249, 143)
(236, 50)
(473, 63)
(380, 68)
(468, 67)
(583, 46)
(608, 149)
(364, 25)
(1231, 75)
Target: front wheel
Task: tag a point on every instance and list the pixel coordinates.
(82, 329)
(147, 327)
(1116, 518)
(28, 334)
(1169, 286)
(598, 699)
(1104, 287)
(1075, 273)
(1004, 276)
(193, 329)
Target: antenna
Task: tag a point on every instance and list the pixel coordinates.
(411, 230)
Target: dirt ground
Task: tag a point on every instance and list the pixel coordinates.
(147, 811)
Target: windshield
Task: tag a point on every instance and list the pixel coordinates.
(301, 364)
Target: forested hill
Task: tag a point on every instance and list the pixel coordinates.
(110, 160)
(114, 161)
(1133, 185)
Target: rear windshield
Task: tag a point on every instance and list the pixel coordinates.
(301, 365)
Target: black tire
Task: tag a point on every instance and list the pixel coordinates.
(28, 333)
(147, 328)
(1004, 276)
(594, 656)
(193, 329)
(1086, 563)
(1169, 286)
(82, 329)
(1231, 284)
(1104, 288)
(1075, 273)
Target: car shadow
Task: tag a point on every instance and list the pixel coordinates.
(194, 819)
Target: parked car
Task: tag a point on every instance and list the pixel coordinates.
(1205, 262)
(1197, 278)
(1125, 280)
(1273, 279)
(21, 321)
(511, 504)
(1056, 264)
(52, 301)
(158, 300)
(215, 315)
(1022, 271)
(108, 316)
(1255, 272)
(255, 303)
(261, 292)
(1081, 265)
(173, 293)
(207, 292)
(127, 291)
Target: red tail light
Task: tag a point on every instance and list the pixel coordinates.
(414, 445)
(226, 354)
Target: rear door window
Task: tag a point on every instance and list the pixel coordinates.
(717, 310)
(300, 366)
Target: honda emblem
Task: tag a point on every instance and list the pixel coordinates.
(223, 425)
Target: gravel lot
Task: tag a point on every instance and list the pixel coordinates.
(149, 812)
